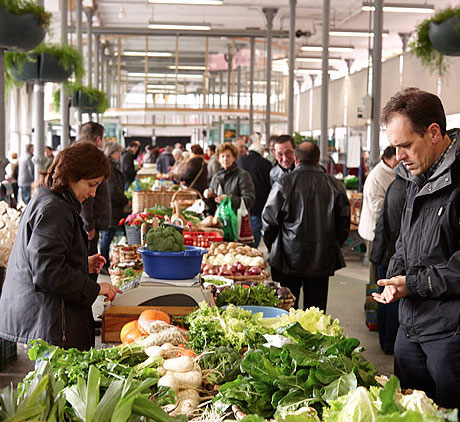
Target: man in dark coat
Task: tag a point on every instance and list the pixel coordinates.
(305, 222)
(383, 248)
(259, 169)
(425, 270)
(96, 212)
(284, 154)
(127, 166)
(166, 160)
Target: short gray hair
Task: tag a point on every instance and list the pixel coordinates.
(176, 152)
(111, 147)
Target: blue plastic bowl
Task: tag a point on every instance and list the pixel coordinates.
(173, 265)
(268, 311)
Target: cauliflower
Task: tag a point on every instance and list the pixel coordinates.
(165, 239)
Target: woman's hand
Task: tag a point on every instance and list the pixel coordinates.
(108, 291)
(220, 198)
(95, 263)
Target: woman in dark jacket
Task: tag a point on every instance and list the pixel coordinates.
(231, 180)
(47, 292)
(118, 200)
(196, 173)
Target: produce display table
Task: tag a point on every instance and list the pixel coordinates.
(115, 317)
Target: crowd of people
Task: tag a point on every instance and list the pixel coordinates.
(409, 220)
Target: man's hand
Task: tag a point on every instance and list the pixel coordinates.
(91, 234)
(220, 198)
(395, 288)
(108, 291)
(95, 263)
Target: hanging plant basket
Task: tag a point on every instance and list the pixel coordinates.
(20, 32)
(444, 36)
(90, 100)
(86, 103)
(41, 67)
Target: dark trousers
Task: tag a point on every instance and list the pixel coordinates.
(256, 223)
(314, 288)
(431, 366)
(387, 320)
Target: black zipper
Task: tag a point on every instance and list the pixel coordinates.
(64, 325)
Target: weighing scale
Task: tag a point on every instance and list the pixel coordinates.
(147, 291)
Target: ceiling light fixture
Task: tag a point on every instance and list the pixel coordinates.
(180, 67)
(158, 86)
(180, 26)
(164, 75)
(354, 33)
(148, 54)
(332, 49)
(313, 71)
(200, 2)
(400, 8)
(316, 60)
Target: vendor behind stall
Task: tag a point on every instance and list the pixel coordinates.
(48, 292)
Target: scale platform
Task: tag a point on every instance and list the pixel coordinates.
(148, 291)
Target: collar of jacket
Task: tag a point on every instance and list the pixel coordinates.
(223, 172)
(286, 170)
(309, 167)
(70, 197)
(442, 176)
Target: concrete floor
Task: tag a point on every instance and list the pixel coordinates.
(345, 302)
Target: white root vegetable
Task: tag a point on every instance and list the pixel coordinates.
(188, 394)
(153, 351)
(180, 364)
(191, 379)
(184, 407)
(169, 380)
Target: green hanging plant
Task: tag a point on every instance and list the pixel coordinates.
(422, 46)
(94, 96)
(20, 7)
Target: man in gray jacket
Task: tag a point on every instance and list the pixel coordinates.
(284, 154)
(26, 174)
(425, 269)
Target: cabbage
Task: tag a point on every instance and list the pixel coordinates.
(356, 406)
(313, 320)
(419, 402)
(304, 414)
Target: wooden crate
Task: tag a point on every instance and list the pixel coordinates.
(115, 317)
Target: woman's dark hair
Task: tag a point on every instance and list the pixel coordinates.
(82, 160)
(420, 107)
(197, 150)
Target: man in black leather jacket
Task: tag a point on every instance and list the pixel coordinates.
(425, 269)
(305, 222)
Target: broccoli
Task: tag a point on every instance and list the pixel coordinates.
(165, 239)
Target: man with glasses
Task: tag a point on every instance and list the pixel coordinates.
(284, 154)
(424, 272)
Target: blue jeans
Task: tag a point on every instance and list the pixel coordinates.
(25, 194)
(106, 239)
(256, 223)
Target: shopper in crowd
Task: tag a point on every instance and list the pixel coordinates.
(151, 154)
(166, 160)
(383, 248)
(49, 155)
(259, 169)
(213, 163)
(47, 292)
(305, 222)
(195, 174)
(425, 268)
(284, 153)
(127, 163)
(178, 145)
(231, 180)
(118, 200)
(96, 210)
(271, 150)
(12, 174)
(377, 182)
(26, 174)
(180, 163)
(241, 147)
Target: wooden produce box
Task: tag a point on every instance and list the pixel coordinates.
(115, 317)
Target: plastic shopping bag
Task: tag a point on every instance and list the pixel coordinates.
(245, 234)
(228, 218)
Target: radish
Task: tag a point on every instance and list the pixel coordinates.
(180, 364)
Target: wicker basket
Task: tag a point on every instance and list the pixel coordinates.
(186, 197)
(148, 199)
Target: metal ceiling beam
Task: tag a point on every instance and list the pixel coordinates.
(240, 33)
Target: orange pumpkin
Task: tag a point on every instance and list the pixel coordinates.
(152, 315)
(130, 332)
